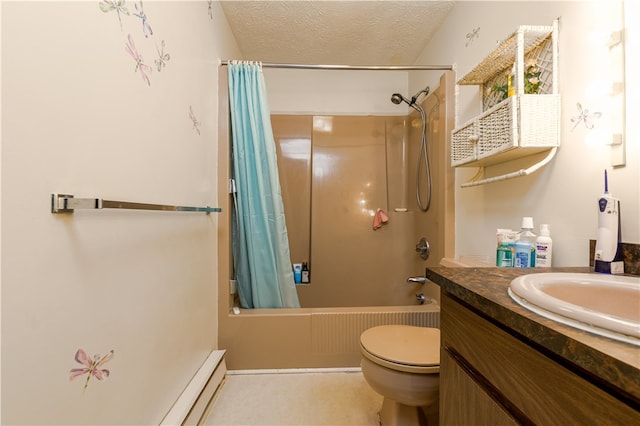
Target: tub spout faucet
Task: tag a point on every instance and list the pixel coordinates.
(420, 280)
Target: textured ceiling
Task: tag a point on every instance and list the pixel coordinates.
(383, 32)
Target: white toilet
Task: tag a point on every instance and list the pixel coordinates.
(402, 363)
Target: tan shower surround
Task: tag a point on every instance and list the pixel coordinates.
(351, 264)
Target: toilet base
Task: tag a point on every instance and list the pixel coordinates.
(393, 413)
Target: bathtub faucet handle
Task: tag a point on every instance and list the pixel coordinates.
(419, 280)
(423, 248)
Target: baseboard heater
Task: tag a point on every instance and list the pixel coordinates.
(192, 407)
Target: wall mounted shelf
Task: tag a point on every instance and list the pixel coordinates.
(522, 124)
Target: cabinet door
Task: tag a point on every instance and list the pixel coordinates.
(463, 401)
(532, 387)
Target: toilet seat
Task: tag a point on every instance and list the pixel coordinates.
(403, 347)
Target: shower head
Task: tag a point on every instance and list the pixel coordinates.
(397, 98)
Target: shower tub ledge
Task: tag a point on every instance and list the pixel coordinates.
(309, 337)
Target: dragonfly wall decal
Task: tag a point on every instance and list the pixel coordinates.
(146, 28)
(92, 366)
(584, 116)
(194, 120)
(140, 65)
(162, 57)
(472, 36)
(114, 5)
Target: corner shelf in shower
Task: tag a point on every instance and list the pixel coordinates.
(522, 124)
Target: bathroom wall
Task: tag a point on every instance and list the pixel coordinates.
(295, 91)
(564, 193)
(80, 117)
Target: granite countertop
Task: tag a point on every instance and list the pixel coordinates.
(616, 365)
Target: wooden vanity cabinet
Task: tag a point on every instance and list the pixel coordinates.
(488, 376)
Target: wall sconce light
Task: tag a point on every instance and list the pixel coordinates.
(617, 98)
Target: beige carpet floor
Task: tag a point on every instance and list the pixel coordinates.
(293, 397)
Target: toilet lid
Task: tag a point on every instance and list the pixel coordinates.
(403, 344)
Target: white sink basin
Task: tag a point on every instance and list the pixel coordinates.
(607, 305)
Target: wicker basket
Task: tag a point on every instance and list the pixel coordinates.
(464, 143)
(542, 128)
(529, 122)
(498, 128)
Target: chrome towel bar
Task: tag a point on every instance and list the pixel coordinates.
(65, 203)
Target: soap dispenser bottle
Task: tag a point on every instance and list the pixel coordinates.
(544, 247)
(525, 246)
(305, 273)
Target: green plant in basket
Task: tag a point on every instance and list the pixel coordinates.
(501, 90)
(531, 81)
(531, 77)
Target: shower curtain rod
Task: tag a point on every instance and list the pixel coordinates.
(355, 67)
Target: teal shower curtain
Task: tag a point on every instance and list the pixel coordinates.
(261, 244)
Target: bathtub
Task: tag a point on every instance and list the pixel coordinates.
(309, 337)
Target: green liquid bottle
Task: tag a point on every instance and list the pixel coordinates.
(504, 255)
